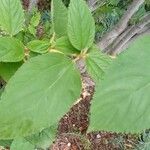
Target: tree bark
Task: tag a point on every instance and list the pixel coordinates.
(128, 34)
(121, 26)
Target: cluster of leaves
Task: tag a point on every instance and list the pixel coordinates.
(37, 90)
(35, 99)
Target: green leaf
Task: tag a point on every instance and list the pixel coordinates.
(21, 144)
(60, 18)
(11, 16)
(7, 70)
(122, 99)
(35, 20)
(44, 138)
(97, 63)
(63, 44)
(38, 46)
(81, 26)
(11, 50)
(36, 96)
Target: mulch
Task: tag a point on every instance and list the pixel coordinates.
(72, 133)
(42, 4)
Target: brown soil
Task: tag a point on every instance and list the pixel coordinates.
(25, 4)
(71, 142)
(42, 4)
(112, 141)
(72, 133)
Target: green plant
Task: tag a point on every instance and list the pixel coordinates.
(35, 94)
(144, 141)
(52, 68)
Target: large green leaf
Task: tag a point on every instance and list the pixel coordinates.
(7, 70)
(81, 26)
(11, 50)
(60, 18)
(121, 102)
(97, 63)
(21, 144)
(39, 46)
(11, 16)
(36, 96)
(63, 44)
